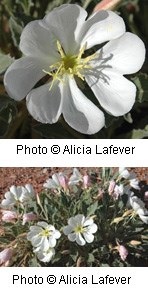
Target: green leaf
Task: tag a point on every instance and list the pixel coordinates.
(5, 101)
(92, 208)
(16, 30)
(141, 82)
(52, 131)
(91, 258)
(8, 111)
(5, 61)
(26, 5)
(140, 133)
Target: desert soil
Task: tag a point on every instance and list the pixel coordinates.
(38, 175)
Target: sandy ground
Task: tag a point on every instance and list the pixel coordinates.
(38, 175)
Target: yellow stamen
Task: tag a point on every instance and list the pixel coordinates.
(79, 229)
(45, 233)
(72, 65)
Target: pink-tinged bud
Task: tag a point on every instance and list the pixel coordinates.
(106, 4)
(27, 217)
(111, 187)
(63, 182)
(9, 216)
(86, 181)
(5, 256)
(123, 252)
(146, 196)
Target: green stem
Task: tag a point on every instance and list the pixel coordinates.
(86, 3)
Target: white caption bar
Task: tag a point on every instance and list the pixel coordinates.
(85, 153)
(70, 280)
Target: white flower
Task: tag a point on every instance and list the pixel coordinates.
(54, 46)
(118, 191)
(124, 173)
(58, 180)
(75, 178)
(139, 208)
(43, 236)
(80, 229)
(134, 183)
(45, 256)
(18, 195)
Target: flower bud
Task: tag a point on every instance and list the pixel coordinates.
(106, 4)
(111, 187)
(63, 182)
(9, 216)
(86, 181)
(146, 196)
(122, 252)
(27, 217)
(5, 256)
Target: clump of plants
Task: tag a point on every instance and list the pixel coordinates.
(95, 219)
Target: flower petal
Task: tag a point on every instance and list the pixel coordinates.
(88, 237)
(36, 240)
(127, 53)
(72, 237)
(51, 242)
(88, 221)
(22, 75)
(101, 27)
(144, 218)
(66, 22)
(50, 184)
(44, 256)
(92, 229)
(44, 104)
(79, 219)
(67, 230)
(80, 240)
(38, 41)
(115, 93)
(72, 221)
(56, 179)
(43, 224)
(79, 112)
(56, 234)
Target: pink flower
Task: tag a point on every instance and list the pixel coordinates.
(111, 187)
(122, 252)
(86, 181)
(9, 216)
(27, 217)
(5, 256)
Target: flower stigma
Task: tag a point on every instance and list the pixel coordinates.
(79, 229)
(45, 233)
(72, 65)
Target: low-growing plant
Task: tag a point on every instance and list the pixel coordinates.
(97, 219)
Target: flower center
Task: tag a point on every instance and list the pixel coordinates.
(79, 229)
(45, 233)
(69, 62)
(72, 65)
